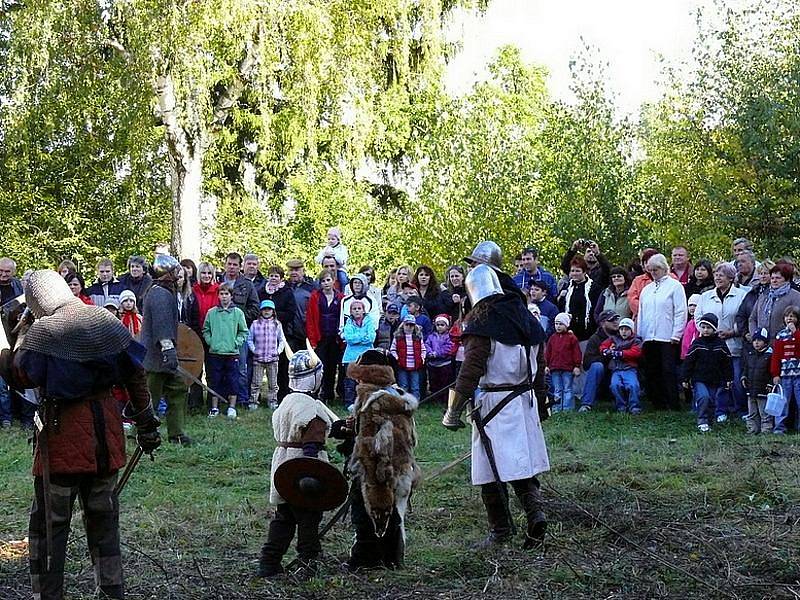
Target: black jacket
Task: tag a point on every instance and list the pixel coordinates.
(755, 372)
(285, 307)
(708, 361)
(592, 352)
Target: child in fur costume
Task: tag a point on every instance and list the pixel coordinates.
(383, 465)
(300, 425)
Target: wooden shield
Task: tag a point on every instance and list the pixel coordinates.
(190, 351)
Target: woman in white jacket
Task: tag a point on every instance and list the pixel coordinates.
(660, 323)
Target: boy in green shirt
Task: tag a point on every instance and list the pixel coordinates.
(225, 331)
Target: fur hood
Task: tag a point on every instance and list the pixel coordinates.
(379, 375)
(383, 457)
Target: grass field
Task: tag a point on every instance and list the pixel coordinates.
(639, 507)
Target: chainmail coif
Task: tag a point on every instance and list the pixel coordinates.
(66, 327)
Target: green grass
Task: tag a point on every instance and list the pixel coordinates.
(723, 508)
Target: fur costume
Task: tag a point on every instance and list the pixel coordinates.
(383, 461)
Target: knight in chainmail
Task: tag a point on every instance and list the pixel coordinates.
(72, 355)
(159, 337)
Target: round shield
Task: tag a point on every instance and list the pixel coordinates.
(310, 483)
(190, 351)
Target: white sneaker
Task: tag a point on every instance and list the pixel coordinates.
(253, 406)
(703, 428)
(722, 418)
(213, 413)
(232, 414)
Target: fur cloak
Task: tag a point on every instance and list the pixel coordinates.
(383, 458)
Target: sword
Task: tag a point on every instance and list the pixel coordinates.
(194, 379)
(486, 442)
(126, 474)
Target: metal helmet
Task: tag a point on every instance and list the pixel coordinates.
(482, 282)
(164, 264)
(45, 292)
(305, 370)
(487, 253)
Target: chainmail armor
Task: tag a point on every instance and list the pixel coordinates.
(66, 327)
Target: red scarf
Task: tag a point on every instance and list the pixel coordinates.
(133, 321)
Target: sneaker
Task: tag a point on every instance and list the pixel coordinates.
(6, 424)
(273, 405)
(636, 411)
(703, 428)
(214, 412)
(585, 408)
(722, 418)
(232, 414)
(252, 406)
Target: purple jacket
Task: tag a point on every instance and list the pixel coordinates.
(439, 347)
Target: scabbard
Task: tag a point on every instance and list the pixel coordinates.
(44, 459)
(486, 442)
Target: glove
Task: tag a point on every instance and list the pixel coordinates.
(607, 352)
(147, 423)
(169, 359)
(452, 416)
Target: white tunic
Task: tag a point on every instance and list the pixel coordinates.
(288, 423)
(515, 432)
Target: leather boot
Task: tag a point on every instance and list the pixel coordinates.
(530, 497)
(497, 515)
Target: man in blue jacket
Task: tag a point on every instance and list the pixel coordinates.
(531, 271)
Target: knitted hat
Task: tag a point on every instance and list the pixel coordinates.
(693, 299)
(563, 318)
(627, 323)
(127, 295)
(409, 319)
(111, 301)
(709, 319)
(607, 315)
(335, 231)
(762, 334)
(267, 304)
(442, 318)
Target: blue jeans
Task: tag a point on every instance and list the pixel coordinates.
(245, 373)
(5, 401)
(734, 401)
(562, 389)
(626, 382)
(409, 381)
(791, 389)
(349, 388)
(705, 397)
(592, 383)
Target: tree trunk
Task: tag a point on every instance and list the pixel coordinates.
(187, 190)
(186, 166)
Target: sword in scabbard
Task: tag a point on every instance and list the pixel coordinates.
(42, 425)
(486, 442)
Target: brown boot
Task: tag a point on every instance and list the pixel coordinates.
(497, 514)
(530, 497)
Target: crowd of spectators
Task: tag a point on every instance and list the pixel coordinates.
(681, 334)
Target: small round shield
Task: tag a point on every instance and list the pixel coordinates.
(310, 483)
(190, 351)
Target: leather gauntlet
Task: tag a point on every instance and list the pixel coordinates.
(455, 408)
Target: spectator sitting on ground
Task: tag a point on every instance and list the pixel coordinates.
(594, 363)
